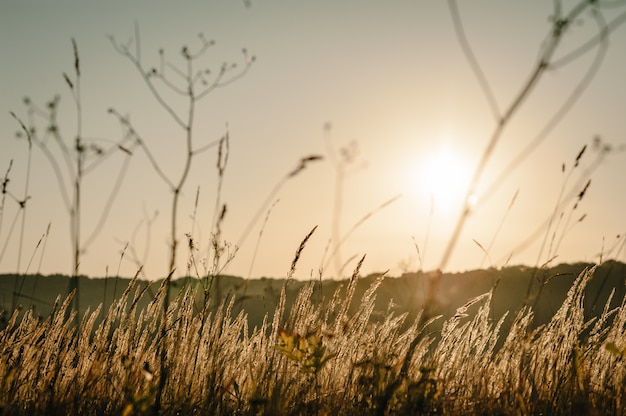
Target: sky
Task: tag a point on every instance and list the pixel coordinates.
(381, 91)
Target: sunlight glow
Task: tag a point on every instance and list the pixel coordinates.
(444, 175)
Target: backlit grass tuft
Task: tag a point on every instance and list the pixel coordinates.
(316, 359)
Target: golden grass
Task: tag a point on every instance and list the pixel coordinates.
(316, 359)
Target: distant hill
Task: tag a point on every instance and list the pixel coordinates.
(408, 293)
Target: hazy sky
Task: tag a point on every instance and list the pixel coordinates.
(392, 81)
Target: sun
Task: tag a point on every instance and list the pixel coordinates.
(443, 175)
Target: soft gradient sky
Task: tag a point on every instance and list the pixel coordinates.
(391, 79)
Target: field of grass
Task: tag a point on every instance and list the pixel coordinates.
(196, 347)
(315, 358)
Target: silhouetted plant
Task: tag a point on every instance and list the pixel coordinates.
(561, 23)
(340, 160)
(191, 82)
(78, 157)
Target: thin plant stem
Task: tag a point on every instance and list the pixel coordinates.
(559, 27)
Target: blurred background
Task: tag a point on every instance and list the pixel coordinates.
(381, 91)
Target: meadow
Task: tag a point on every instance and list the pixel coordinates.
(193, 346)
(314, 357)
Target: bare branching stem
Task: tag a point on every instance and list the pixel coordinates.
(189, 77)
(559, 26)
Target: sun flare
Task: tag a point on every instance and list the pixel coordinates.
(443, 175)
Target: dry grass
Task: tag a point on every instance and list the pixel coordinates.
(316, 359)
